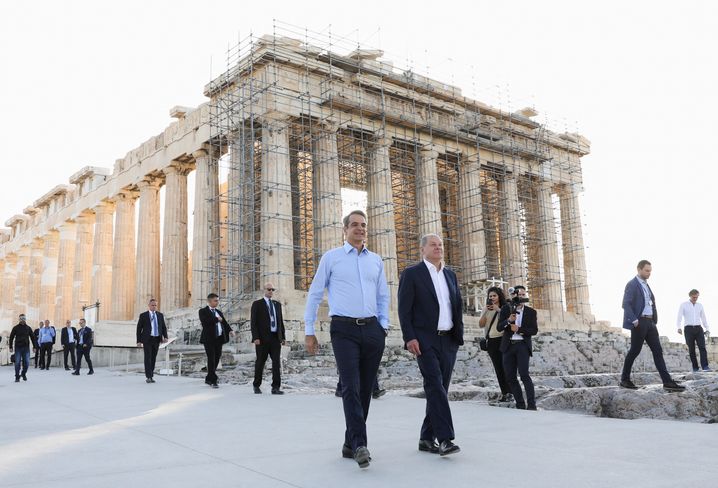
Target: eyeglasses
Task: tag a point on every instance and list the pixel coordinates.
(271, 289)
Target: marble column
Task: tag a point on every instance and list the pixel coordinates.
(511, 245)
(8, 315)
(174, 285)
(122, 306)
(65, 273)
(37, 258)
(2, 287)
(48, 284)
(380, 213)
(148, 245)
(328, 231)
(550, 270)
(277, 247)
(574, 257)
(23, 281)
(82, 274)
(428, 204)
(205, 235)
(472, 220)
(102, 259)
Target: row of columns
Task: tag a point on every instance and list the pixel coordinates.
(95, 257)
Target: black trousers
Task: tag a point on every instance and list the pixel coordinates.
(694, 335)
(150, 347)
(45, 354)
(646, 331)
(273, 349)
(69, 349)
(493, 346)
(436, 363)
(83, 351)
(213, 350)
(516, 358)
(357, 351)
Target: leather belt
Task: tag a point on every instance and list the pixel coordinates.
(646, 316)
(516, 341)
(353, 320)
(443, 332)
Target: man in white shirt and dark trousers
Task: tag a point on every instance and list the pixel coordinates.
(151, 331)
(215, 333)
(68, 340)
(693, 317)
(518, 323)
(430, 314)
(267, 326)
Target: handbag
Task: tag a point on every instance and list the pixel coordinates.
(484, 341)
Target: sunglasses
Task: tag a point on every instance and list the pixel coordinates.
(271, 289)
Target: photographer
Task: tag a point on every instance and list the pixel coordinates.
(518, 323)
(489, 322)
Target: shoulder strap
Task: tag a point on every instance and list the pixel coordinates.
(491, 324)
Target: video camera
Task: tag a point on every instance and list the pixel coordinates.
(516, 300)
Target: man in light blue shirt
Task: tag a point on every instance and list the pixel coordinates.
(46, 338)
(358, 298)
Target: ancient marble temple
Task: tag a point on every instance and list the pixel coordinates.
(286, 131)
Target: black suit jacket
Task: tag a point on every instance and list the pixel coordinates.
(88, 337)
(144, 326)
(419, 306)
(64, 336)
(209, 326)
(529, 327)
(260, 321)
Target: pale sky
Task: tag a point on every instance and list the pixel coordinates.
(85, 81)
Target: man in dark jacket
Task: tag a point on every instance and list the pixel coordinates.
(21, 337)
(267, 324)
(85, 341)
(68, 341)
(215, 333)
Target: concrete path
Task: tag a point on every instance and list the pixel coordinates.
(114, 430)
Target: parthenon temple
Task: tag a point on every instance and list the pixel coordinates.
(251, 187)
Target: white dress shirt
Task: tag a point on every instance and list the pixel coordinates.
(691, 314)
(442, 294)
(219, 321)
(519, 315)
(272, 315)
(70, 336)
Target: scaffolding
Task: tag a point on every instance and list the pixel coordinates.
(318, 104)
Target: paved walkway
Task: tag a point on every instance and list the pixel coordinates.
(114, 430)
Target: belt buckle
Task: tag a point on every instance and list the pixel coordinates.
(360, 321)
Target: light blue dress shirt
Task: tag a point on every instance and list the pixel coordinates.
(355, 283)
(153, 320)
(648, 308)
(46, 335)
(70, 336)
(272, 315)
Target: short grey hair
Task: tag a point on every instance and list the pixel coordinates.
(345, 220)
(425, 238)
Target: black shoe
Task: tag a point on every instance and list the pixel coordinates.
(214, 385)
(531, 407)
(24, 378)
(152, 380)
(17, 379)
(362, 457)
(277, 391)
(76, 373)
(428, 446)
(673, 386)
(67, 369)
(147, 380)
(257, 391)
(347, 452)
(520, 406)
(338, 393)
(628, 384)
(448, 447)
(378, 393)
(506, 398)
(90, 372)
(207, 382)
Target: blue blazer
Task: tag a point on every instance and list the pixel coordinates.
(634, 302)
(419, 305)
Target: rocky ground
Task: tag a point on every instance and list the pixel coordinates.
(558, 386)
